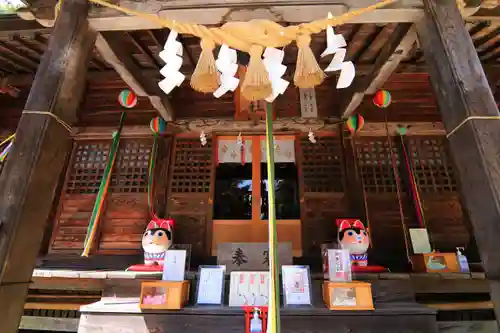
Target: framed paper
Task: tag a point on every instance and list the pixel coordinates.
(210, 289)
(339, 265)
(249, 289)
(296, 285)
(174, 266)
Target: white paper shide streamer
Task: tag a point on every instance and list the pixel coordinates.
(273, 59)
(335, 44)
(227, 66)
(172, 55)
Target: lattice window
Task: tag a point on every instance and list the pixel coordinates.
(88, 164)
(192, 166)
(322, 165)
(130, 174)
(432, 165)
(375, 164)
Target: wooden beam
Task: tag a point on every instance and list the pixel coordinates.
(462, 92)
(214, 12)
(111, 50)
(391, 55)
(303, 125)
(31, 173)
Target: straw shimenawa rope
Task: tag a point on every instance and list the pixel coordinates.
(252, 37)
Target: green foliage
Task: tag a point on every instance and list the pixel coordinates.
(10, 6)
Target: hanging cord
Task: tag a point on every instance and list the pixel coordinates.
(9, 138)
(50, 114)
(398, 190)
(151, 175)
(359, 174)
(414, 187)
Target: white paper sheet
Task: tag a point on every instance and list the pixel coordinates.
(174, 265)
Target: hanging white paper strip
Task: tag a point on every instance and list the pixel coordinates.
(226, 64)
(172, 55)
(335, 44)
(273, 59)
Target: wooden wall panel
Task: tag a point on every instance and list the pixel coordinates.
(189, 195)
(321, 180)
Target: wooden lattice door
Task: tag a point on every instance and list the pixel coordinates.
(189, 195)
(376, 164)
(126, 212)
(321, 177)
(435, 177)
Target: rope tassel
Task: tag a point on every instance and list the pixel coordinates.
(205, 78)
(308, 74)
(256, 85)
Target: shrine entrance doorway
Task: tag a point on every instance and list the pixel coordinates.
(240, 206)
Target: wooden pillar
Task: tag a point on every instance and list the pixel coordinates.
(30, 176)
(472, 121)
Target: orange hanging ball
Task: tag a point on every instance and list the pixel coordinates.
(382, 99)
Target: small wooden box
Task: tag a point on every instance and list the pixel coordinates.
(164, 295)
(348, 295)
(436, 262)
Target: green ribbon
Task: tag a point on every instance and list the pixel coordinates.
(103, 190)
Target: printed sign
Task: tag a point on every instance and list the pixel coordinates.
(249, 288)
(210, 285)
(251, 256)
(296, 285)
(339, 265)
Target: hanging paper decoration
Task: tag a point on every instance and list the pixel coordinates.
(226, 64)
(127, 99)
(172, 55)
(103, 190)
(203, 138)
(273, 59)
(158, 125)
(250, 37)
(335, 44)
(311, 137)
(355, 123)
(382, 99)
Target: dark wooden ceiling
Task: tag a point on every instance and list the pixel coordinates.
(20, 54)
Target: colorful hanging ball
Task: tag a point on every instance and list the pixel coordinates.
(355, 123)
(158, 125)
(401, 130)
(382, 99)
(127, 99)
